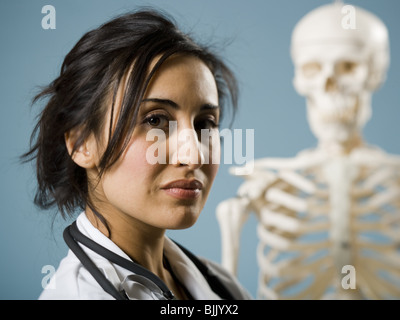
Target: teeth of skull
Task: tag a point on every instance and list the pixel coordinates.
(339, 114)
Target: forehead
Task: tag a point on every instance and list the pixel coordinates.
(184, 75)
(330, 52)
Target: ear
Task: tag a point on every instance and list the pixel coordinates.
(86, 154)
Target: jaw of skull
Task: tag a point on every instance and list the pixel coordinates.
(334, 80)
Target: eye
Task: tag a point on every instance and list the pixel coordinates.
(206, 123)
(157, 121)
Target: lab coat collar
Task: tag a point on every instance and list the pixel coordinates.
(136, 286)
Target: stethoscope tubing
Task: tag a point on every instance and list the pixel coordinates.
(72, 236)
(90, 266)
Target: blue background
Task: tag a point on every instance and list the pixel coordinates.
(258, 33)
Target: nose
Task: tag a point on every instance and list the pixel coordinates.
(188, 151)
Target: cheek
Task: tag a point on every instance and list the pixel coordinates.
(211, 147)
(210, 172)
(134, 163)
(213, 155)
(135, 158)
(213, 171)
(130, 177)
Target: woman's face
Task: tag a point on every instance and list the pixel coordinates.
(181, 100)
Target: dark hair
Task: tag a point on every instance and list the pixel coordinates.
(90, 75)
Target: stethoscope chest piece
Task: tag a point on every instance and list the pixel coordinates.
(137, 287)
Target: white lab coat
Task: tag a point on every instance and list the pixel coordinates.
(72, 281)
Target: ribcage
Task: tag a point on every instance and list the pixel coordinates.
(315, 222)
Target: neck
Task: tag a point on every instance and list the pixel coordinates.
(144, 244)
(341, 147)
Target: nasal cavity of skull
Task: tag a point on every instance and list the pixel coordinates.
(330, 84)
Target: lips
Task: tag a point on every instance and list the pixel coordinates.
(184, 184)
(183, 189)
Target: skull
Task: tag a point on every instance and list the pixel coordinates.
(337, 68)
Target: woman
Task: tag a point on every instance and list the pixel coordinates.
(134, 83)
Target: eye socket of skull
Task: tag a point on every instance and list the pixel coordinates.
(345, 67)
(311, 69)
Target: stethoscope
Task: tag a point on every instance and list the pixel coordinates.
(72, 236)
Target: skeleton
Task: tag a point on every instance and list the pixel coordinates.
(336, 206)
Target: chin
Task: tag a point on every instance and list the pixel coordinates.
(186, 224)
(183, 220)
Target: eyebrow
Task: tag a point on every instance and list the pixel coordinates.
(173, 104)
